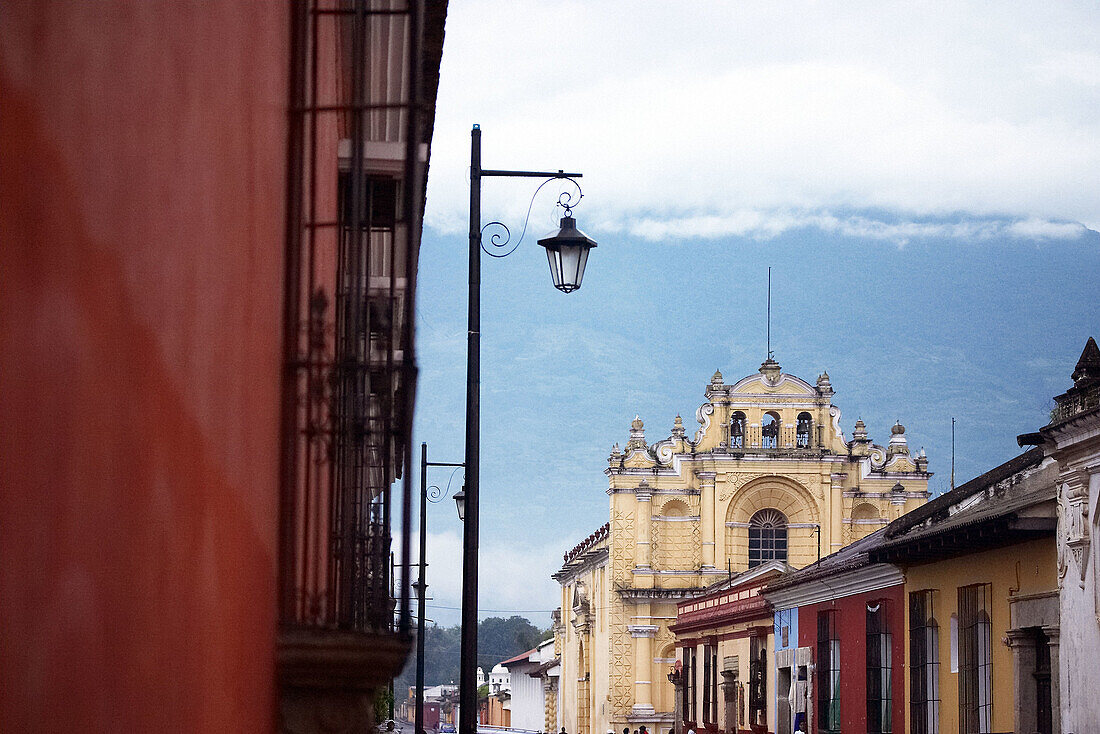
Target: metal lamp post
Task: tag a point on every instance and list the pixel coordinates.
(567, 254)
(420, 586)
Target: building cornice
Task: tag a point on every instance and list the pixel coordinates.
(636, 594)
(836, 586)
(590, 560)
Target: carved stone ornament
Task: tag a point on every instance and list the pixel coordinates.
(703, 414)
(1073, 527)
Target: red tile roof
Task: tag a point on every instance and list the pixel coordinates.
(522, 657)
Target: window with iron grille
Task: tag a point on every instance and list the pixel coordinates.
(878, 669)
(828, 672)
(975, 660)
(1044, 709)
(689, 684)
(758, 682)
(355, 178)
(767, 537)
(924, 665)
(710, 684)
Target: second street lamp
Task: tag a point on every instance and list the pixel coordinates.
(567, 254)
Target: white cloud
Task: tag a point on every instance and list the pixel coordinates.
(732, 116)
(762, 225)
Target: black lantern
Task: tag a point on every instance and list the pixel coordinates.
(460, 501)
(567, 251)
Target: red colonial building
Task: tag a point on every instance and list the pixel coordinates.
(724, 640)
(848, 618)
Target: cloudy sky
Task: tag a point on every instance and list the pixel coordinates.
(923, 178)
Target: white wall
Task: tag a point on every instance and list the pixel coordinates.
(1080, 629)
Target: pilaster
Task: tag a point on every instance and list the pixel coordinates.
(643, 549)
(836, 512)
(643, 635)
(706, 515)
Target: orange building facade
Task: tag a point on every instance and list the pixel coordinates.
(149, 192)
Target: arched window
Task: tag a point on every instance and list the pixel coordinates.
(767, 537)
(770, 431)
(802, 432)
(737, 430)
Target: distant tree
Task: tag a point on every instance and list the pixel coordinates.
(497, 639)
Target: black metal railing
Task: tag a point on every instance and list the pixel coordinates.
(354, 209)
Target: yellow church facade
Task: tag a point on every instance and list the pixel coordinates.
(769, 475)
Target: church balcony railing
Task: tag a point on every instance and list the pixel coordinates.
(1074, 402)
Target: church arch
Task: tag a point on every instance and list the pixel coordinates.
(664, 695)
(803, 429)
(865, 520)
(737, 430)
(784, 496)
(674, 508)
(769, 430)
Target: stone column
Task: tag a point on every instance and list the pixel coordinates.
(729, 693)
(1023, 682)
(706, 516)
(643, 666)
(643, 550)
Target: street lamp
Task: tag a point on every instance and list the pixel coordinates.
(460, 501)
(567, 254)
(567, 251)
(427, 494)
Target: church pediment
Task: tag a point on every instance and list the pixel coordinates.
(760, 385)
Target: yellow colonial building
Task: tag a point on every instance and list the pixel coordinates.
(769, 475)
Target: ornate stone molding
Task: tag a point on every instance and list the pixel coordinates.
(703, 414)
(642, 630)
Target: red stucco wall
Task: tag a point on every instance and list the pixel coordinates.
(852, 627)
(142, 157)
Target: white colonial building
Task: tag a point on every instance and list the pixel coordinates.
(1072, 439)
(534, 679)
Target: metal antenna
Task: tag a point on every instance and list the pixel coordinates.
(952, 453)
(769, 313)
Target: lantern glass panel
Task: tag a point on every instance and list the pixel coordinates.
(571, 266)
(554, 259)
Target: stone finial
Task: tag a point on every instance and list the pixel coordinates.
(859, 433)
(823, 385)
(897, 494)
(716, 378)
(1088, 366)
(898, 443)
(637, 434)
(922, 460)
(615, 456)
(678, 427)
(771, 371)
